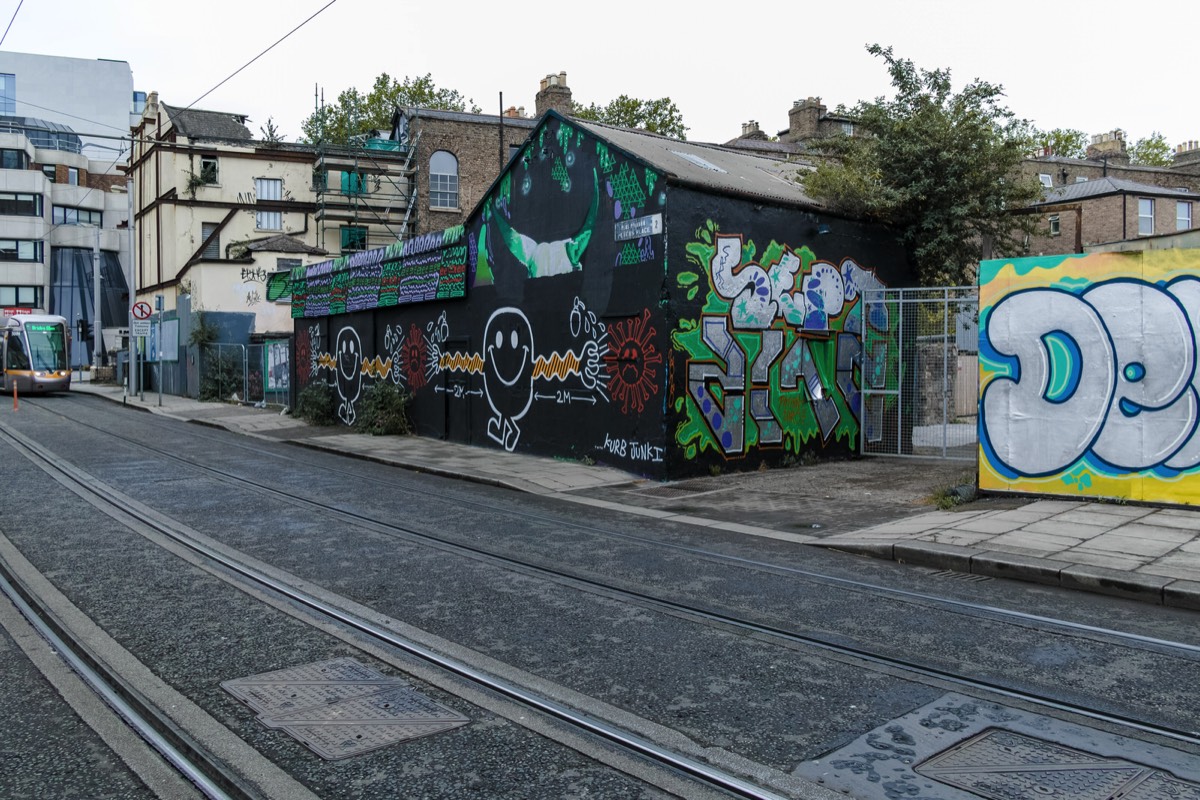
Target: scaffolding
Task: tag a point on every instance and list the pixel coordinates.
(365, 194)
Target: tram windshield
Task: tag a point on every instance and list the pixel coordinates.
(47, 345)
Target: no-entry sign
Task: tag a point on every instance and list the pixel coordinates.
(142, 310)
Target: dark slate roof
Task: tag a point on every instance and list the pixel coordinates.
(282, 243)
(781, 149)
(710, 167)
(1106, 186)
(196, 124)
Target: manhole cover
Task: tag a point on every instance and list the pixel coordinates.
(1001, 765)
(959, 748)
(340, 708)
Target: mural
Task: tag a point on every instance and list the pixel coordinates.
(774, 358)
(1088, 375)
(573, 366)
(558, 319)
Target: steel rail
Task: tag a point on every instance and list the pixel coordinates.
(146, 721)
(817, 577)
(686, 765)
(861, 653)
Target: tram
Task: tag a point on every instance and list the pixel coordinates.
(33, 354)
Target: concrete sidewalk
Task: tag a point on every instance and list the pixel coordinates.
(1145, 553)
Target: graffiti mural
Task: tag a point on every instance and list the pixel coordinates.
(774, 358)
(1088, 375)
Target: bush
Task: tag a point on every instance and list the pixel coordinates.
(383, 411)
(317, 404)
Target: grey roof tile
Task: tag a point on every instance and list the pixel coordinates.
(197, 124)
(1106, 186)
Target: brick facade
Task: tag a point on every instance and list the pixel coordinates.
(1104, 219)
(475, 141)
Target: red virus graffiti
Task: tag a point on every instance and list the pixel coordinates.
(413, 354)
(303, 356)
(632, 362)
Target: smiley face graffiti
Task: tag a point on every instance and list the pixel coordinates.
(349, 372)
(507, 372)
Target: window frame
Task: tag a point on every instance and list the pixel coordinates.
(51, 172)
(93, 217)
(443, 186)
(72, 176)
(1055, 225)
(35, 249)
(8, 93)
(22, 158)
(1181, 218)
(347, 240)
(12, 296)
(211, 251)
(10, 204)
(1046, 180)
(268, 220)
(1143, 216)
(210, 171)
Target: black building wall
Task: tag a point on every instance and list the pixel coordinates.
(766, 320)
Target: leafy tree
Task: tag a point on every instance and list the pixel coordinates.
(355, 113)
(1153, 151)
(941, 167)
(1066, 142)
(657, 116)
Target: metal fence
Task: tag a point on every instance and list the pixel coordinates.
(244, 373)
(920, 374)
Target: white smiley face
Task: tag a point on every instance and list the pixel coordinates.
(349, 354)
(510, 348)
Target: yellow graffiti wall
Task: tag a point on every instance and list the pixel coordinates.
(1089, 375)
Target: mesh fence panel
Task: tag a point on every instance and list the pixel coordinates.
(920, 372)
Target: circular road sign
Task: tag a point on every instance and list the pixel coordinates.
(142, 310)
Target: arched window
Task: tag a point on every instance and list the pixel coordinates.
(443, 180)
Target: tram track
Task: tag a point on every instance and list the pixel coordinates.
(865, 655)
(825, 579)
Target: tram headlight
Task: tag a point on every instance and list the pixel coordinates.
(39, 374)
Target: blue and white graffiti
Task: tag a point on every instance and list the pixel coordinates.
(1109, 373)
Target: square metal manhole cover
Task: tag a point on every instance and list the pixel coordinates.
(959, 748)
(341, 707)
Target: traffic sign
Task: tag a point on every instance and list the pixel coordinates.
(141, 327)
(142, 310)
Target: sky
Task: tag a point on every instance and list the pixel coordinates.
(1092, 66)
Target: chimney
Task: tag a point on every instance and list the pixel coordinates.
(1187, 154)
(554, 94)
(751, 130)
(1108, 147)
(803, 119)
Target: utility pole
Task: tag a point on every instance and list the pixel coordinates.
(96, 334)
(130, 272)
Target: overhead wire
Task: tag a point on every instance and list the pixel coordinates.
(260, 55)
(10, 22)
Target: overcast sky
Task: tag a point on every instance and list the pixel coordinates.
(1093, 65)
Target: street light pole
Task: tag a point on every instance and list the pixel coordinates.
(96, 335)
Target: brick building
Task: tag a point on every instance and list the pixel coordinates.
(457, 155)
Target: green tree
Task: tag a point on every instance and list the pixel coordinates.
(941, 167)
(657, 116)
(1153, 151)
(1065, 142)
(355, 113)
(270, 133)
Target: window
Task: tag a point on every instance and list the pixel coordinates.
(514, 150)
(72, 176)
(353, 239)
(20, 250)
(8, 93)
(14, 204)
(1055, 230)
(1145, 216)
(65, 215)
(1046, 180)
(443, 180)
(50, 171)
(138, 103)
(353, 183)
(1183, 215)
(208, 169)
(12, 159)
(21, 296)
(848, 128)
(208, 234)
(268, 189)
(320, 180)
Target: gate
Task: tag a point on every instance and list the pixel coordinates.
(920, 373)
